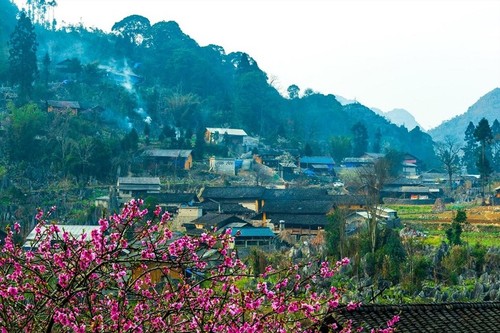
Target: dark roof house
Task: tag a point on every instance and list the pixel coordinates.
(132, 186)
(461, 317)
(175, 158)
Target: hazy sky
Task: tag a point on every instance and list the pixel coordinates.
(434, 58)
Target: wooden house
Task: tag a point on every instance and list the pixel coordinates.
(226, 208)
(137, 187)
(496, 197)
(71, 107)
(299, 218)
(247, 196)
(230, 136)
(169, 158)
(74, 230)
(253, 236)
(320, 165)
(404, 190)
(216, 221)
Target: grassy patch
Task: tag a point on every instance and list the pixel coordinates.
(489, 238)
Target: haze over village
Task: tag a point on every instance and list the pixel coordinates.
(151, 182)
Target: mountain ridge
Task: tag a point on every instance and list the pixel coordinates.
(487, 106)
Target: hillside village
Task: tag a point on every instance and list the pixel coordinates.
(206, 136)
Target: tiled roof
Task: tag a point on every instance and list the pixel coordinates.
(64, 104)
(404, 182)
(228, 208)
(139, 180)
(433, 317)
(139, 184)
(300, 220)
(252, 232)
(173, 153)
(72, 229)
(298, 207)
(237, 192)
(317, 160)
(342, 199)
(296, 194)
(229, 131)
(179, 198)
(219, 220)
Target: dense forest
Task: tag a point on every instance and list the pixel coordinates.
(156, 80)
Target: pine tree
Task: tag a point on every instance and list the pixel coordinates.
(22, 56)
(360, 139)
(484, 136)
(470, 149)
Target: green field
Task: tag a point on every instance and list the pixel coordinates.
(422, 218)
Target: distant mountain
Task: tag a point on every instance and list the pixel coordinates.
(487, 107)
(402, 117)
(396, 116)
(344, 101)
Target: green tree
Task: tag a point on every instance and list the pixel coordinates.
(454, 232)
(22, 56)
(484, 136)
(38, 11)
(340, 147)
(495, 152)
(46, 69)
(359, 139)
(393, 158)
(293, 91)
(25, 131)
(377, 141)
(308, 151)
(470, 149)
(336, 233)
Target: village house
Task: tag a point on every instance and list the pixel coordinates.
(357, 162)
(411, 191)
(157, 159)
(245, 237)
(70, 107)
(358, 220)
(298, 218)
(229, 136)
(76, 231)
(137, 187)
(226, 208)
(319, 165)
(247, 196)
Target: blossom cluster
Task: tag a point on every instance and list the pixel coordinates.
(133, 274)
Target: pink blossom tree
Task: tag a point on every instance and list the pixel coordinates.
(134, 275)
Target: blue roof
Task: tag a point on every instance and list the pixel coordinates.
(253, 232)
(317, 160)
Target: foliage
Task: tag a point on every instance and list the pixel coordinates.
(359, 139)
(484, 136)
(470, 149)
(340, 147)
(336, 233)
(25, 130)
(22, 56)
(454, 232)
(132, 274)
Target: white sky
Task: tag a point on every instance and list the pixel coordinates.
(434, 58)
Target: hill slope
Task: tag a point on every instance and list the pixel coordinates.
(487, 107)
